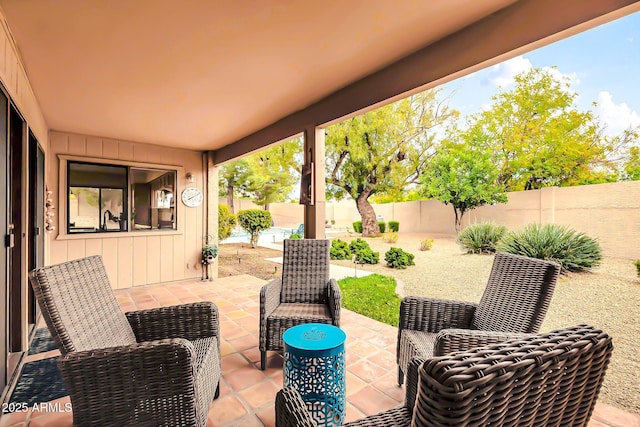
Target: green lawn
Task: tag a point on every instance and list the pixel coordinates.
(373, 296)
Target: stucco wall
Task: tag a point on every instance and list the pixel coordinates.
(140, 257)
(609, 212)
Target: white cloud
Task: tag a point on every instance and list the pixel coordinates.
(616, 117)
(503, 74)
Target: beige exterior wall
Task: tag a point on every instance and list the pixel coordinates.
(609, 212)
(139, 257)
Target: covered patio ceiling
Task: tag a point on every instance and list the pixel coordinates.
(235, 76)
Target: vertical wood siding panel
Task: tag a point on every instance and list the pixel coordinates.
(139, 260)
(110, 258)
(77, 145)
(109, 149)
(153, 259)
(125, 151)
(75, 249)
(180, 270)
(166, 258)
(93, 247)
(58, 250)
(94, 146)
(125, 262)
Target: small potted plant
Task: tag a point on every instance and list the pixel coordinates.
(209, 253)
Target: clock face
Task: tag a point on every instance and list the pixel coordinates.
(191, 196)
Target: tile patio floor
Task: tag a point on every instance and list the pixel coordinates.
(247, 393)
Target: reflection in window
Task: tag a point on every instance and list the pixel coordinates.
(99, 197)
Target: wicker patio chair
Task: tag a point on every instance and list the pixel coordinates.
(157, 367)
(543, 380)
(305, 294)
(514, 302)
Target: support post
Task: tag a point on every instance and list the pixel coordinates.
(314, 158)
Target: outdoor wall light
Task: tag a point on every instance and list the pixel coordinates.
(189, 177)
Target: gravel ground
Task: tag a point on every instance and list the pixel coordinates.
(608, 298)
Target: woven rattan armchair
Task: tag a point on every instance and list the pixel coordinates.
(543, 380)
(305, 294)
(514, 302)
(158, 367)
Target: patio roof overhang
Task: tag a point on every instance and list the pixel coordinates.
(233, 77)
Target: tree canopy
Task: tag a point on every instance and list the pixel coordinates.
(538, 137)
(383, 150)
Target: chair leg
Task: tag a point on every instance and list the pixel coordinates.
(400, 376)
(263, 359)
(215, 396)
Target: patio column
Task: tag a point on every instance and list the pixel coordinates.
(314, 159)
(212, 205)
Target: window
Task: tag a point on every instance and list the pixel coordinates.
(99, 197)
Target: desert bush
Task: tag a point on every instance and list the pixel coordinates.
(295, 236)
(426, 244)
(573, 250)
(357, 226)
(367, 256)
(397, 258)
(382, 226)
(226, 222)
(253, 221)
(481, 238)
(339, 250)
(358, 244)
(390, 237)
(394, 226)
(638, 267)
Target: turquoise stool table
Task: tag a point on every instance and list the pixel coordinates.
(314, 365)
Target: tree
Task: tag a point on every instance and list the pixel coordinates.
(233, 178)
(632, 165)
(539, 138)
(274, 171)
(254, 221)
(464, 177)
(382, 151)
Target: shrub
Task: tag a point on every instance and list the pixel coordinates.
(426, 244)
(390, 237)
(481, 238)
(394, 226)
(358, 244)
(373, 296)
(367, 256)
(339, 250)
(357, 226)
(397, 258)
(382, 226)
(638, 267)
(295, 236)
(574, 251)
(253, 221)
(226, 222)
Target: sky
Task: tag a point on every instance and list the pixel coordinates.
(603, 64)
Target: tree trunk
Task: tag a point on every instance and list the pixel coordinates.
(230, 197)
(369, 223)
(458, 221)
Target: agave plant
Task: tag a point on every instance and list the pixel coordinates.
(573, 250)
(481, 238)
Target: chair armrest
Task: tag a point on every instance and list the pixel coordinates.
(291, 411)
(432, 315)
(335, 301)
(143, 372)
(191, 321)
(450, 340)
(269, 301)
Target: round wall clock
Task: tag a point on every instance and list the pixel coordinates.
(191, 196)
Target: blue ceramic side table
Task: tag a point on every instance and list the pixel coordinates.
(314, 365)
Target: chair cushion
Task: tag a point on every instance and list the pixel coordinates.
(288, 315)
(415, 343)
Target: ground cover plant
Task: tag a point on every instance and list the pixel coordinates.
(373, 296)
(364, 255)
(574, 251)
(481, 238)
(397, 258)
(339, 250)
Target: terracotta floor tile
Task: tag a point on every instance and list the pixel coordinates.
(57, 419)
(244, 342)
(615, 417)
(371, 401)
(13, 418)
(354, 383)
(245, 377)
(362, 348)
(252, 354)
(353, 413)
(367, 371)
(389, 386)
(267, 416)
(233, 361)
(260, 394)
(384, 359)
(226, 409)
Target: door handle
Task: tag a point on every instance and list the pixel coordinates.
(9, 240)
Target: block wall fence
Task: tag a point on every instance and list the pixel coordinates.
(609, 212)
